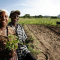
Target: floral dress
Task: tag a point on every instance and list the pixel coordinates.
(10, 31)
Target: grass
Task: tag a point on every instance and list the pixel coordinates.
(37, 21)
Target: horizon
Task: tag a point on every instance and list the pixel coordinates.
(32, 7)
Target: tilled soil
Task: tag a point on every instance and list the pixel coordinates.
(49, 38)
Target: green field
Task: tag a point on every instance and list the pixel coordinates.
(38, 21)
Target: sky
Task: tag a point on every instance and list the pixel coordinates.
(32, 7)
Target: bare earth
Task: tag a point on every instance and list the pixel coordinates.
(49, 39)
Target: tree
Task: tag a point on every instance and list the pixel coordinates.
(27, 16)
(40, 16)
(53, 17)
(36, 16)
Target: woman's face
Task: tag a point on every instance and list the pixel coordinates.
(14, 17)
(3, 18)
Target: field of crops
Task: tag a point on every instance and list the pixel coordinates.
(36, 35)
(38, 21)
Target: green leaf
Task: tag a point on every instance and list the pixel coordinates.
(12, 43)
(15, 46)
(12, 46)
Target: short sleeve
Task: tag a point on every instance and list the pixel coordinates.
(11, 31)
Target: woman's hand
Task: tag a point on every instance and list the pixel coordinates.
(12, 53)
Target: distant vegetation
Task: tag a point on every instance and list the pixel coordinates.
(39, 16)
(38, 21)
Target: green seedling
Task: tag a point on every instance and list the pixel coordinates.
(13, 42)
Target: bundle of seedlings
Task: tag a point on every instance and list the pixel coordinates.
(8, 43)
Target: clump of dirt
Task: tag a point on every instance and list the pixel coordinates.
(49, 39)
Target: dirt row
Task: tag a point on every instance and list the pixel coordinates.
(49, 40)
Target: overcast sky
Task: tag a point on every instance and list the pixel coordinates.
(32, 7)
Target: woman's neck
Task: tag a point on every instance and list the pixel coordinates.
(14, 24)
(3, 27)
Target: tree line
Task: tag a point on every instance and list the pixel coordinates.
(39, 16)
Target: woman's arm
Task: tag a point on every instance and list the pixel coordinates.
(11, 54)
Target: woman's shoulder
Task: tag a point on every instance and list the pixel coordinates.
(10, 30)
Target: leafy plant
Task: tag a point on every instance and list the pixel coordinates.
(13, 42)
(35, 52)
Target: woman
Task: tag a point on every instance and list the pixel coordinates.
(4, 32)
(22, 51)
